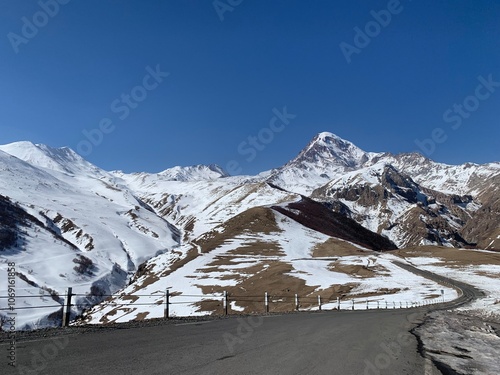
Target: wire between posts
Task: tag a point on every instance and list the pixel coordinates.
(293, 300)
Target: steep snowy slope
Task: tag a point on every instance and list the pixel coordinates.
(196, 206)
(82, 232)
(63, 160)
(468, 178)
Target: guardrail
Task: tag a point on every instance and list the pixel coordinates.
(224, 303)
(266, 302)
(295, 302)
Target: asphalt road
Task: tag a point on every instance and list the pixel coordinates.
(359, 342)
(347, 342)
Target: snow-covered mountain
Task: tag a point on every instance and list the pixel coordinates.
(184, 174)
(325, 157)
(63, 160)
(389, 202)
(62, 228)
(407, 197)
(66, 222)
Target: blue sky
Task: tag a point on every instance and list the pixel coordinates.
(230, 70)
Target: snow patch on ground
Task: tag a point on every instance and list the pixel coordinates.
(466, 339)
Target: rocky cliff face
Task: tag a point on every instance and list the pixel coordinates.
(391, 203)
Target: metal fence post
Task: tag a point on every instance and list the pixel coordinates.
(338, 303)
(266, 302)
(67, 308)
(167, 304)
(296, 302)
(319, 302)
(225, 303)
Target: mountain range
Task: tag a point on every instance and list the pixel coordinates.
(66, 222)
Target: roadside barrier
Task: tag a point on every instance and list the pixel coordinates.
(225, 303)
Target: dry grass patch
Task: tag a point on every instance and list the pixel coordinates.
(487, 274)
(141, 316)
(335, 247)
(253, 221)
(274, 277)
(190, 255)
(259, 248)
(129, 297)
(452, 256)
(355, 270)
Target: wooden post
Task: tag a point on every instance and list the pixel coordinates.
(67, 308)
(266, 302)
(225, 303)
(167, 304)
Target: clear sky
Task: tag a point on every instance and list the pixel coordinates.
(410, 71)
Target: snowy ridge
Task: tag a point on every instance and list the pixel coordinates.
(63, 160)
(184, 174)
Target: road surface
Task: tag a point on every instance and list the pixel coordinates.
(344, 343)
(331, 342)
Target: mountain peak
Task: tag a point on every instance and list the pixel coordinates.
(324, 157)
(194, 173)
(327, 136)
(62, 159)
(328, 149)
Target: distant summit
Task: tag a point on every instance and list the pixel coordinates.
(62, 159)
(194, 173)
(327, 149)
(326, 156)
